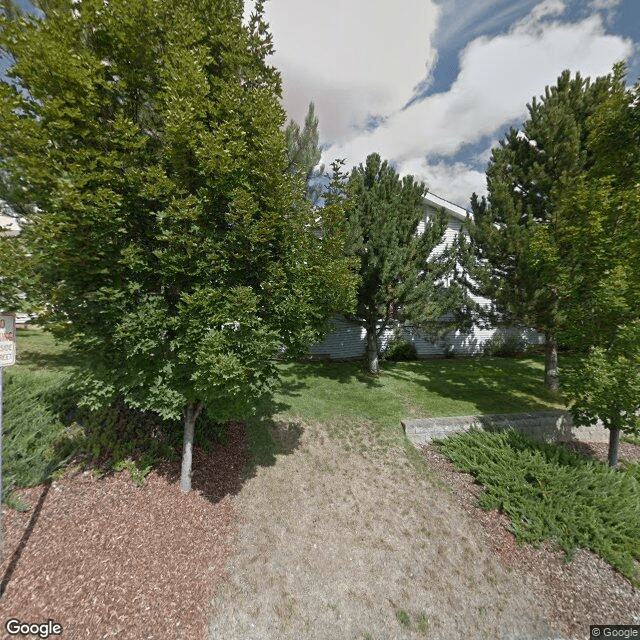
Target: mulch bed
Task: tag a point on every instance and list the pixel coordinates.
(107, 559)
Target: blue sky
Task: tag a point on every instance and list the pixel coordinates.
(432, 85)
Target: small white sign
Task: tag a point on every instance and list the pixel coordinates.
(7, 339)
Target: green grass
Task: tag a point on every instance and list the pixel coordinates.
(427, 388)
(359, 409)
(403, 618)
(44, 429)
(552, 493)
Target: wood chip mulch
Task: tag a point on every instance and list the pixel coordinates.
(105, 558)
(583, 592)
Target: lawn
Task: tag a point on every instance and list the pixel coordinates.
(425, 388)
(38, 413)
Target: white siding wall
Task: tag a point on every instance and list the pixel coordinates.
(348, 341)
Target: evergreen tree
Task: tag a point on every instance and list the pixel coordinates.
(401, 277)
(515, 233)
(303, 154)
(142, 141)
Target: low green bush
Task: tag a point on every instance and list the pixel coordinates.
(399, 350)
(45, 430)
(552, 493)
(501, 346)
(32, 426)
(120, 437)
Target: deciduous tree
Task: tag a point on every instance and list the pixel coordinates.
(175, 251)
(600, 243)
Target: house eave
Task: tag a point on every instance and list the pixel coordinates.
(451, 209)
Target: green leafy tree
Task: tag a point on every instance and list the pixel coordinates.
(303, 154)
(515, 233)
(601, 246)
(143, 140)
(605, 386)
(401, 277)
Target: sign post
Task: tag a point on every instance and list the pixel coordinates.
(7, 358)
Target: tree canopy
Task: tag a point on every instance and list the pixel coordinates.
(516, 231)
(402, 278)
(303, 154)
(601, 281)
(143, 144)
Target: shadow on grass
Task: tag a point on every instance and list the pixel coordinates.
(492, 385)
(37, 360)
(342, 372)
(37, 349)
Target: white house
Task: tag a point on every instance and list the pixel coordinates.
(8, 225)
(348, 340)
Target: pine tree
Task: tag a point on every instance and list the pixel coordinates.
(303, 154)
(143, 141)
(401, 278)
(515, 232)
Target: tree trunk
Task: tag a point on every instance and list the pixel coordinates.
(551, 379)
(190, 415)
(614, 439)
(371, 354)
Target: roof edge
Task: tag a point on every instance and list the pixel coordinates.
(452, 209)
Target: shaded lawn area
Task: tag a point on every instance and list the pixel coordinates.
(425, 388)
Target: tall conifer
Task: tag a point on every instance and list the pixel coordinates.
(515, 232)
(402, 278)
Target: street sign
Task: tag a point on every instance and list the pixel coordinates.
(7, 357)
(7, 339)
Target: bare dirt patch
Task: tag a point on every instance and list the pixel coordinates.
(336, 544)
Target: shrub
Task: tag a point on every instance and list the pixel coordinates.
(502, 346)
(552, 493)
(398, 349)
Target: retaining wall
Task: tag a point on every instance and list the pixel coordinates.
(548, 426)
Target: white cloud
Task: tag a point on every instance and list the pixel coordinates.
(604, 4)
(363, 58)
(453, 181)
(498, 76)
(352, 59)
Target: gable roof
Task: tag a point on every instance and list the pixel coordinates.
(453, 210)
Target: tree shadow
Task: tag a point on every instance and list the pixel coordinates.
(342, 372)
(491, 385)
(38, 360)
(254, 440)
(37, 349)
(15, 557)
